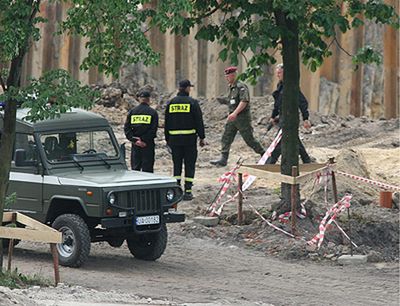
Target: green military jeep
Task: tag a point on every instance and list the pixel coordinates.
(70, 173)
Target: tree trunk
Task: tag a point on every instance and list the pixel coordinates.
(7, 137)
(290, 111)
(10, 112)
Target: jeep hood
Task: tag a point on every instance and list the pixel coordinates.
(120, 178)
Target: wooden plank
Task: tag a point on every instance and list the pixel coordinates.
(357, 77)
(391, 67)
(309, 86)
(276, 177)
(312, 173)
(33, 223)
(7, 216)
(30, 234)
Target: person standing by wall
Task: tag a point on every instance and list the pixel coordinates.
(141, 128)
(183, 125)
(303, 106)
(239, 118)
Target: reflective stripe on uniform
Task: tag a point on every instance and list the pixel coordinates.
(177, 177)
(182, 132)
(179, 108)
(188, 179)
(140, 119)
(188, 191)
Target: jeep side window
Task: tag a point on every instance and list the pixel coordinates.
(27, 143)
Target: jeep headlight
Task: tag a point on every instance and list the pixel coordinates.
(112, 199)
(170, 195)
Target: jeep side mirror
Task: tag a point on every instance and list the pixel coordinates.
(20, 159)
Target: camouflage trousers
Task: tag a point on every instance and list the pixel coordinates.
(242, 124)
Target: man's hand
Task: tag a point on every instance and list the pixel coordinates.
(140, 143)
(202, 143)
(232, 117)
(307, 124)
(272, 121)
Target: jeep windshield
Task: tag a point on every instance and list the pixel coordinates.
(79, 146)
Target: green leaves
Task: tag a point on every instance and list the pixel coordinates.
(367, 55)
(17, 26)
(54, 93)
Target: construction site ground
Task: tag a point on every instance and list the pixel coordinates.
(251, 264)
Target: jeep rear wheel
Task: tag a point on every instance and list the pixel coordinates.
(149, 246)
(75, 248)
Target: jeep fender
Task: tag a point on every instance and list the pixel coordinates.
(65, 205)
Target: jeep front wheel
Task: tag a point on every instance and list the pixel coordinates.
(75, 248)
(148, 246)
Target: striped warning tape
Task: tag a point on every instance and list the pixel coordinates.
(368, 181)
(330, 217)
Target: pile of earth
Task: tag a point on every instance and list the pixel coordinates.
(361, 146)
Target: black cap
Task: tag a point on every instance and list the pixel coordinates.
(143, 94)
(185, 83)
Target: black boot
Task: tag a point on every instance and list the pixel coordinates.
(222, 161)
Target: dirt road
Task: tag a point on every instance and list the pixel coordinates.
(194, 270)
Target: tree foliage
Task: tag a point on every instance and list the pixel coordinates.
(242, 26)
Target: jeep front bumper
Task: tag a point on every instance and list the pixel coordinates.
(169, 217)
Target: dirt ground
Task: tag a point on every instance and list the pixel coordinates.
(250, 264)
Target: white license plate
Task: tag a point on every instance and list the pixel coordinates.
(148, 220)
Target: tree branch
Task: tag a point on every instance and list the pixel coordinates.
(341, 48)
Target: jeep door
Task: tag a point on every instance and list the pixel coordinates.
(25, 179)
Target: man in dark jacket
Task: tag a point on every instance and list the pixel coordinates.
(183, 125)
(303, 106)
(141, 128)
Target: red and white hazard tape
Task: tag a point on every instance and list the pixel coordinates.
(284, 218)
(227, 179)
(269, 223)
(330, 217)
(371, 182)
(249, 179)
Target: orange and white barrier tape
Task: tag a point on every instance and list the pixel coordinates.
(330, 217)
(368, 181)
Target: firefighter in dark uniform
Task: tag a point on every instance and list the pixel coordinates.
(141, 128)
(239, 118)
(183, 125)
(303, 106)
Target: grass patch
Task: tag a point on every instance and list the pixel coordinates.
(14, 279)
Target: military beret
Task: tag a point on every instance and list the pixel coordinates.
(230, 70)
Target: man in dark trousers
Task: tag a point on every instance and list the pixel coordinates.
(239, 118)
(141, 128)
(303, 106)
(183, 125)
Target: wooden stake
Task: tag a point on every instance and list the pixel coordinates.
(240, 202)
(55, 262)
(294, 201)
(11, 244)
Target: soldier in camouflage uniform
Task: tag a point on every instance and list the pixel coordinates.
(239, 118)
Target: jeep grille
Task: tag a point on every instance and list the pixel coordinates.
(144, 201)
